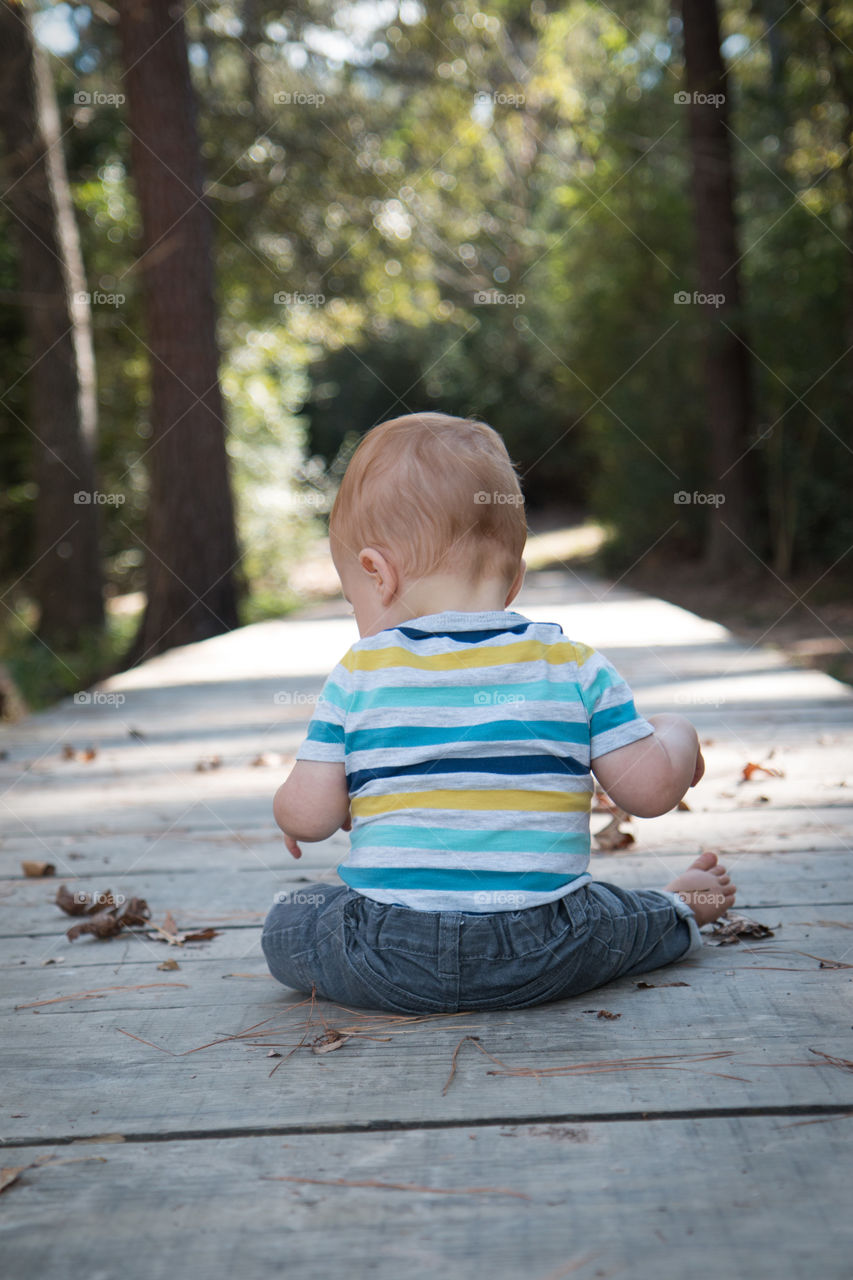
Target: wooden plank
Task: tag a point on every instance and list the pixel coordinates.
(69, 1064)
(243, 896)
(585, 1200)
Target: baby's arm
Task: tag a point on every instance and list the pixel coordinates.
(649, 777)
(312, 803)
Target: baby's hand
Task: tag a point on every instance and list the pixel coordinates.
(700, 767)
(292, 847)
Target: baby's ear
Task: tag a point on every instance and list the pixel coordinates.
(382, 572)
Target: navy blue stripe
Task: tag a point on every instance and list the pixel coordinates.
(512, 765)
(465, 637)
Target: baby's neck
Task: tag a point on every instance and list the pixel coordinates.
(446, 593)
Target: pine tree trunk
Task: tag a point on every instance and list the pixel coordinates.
(190, 540)
(66, 573)
(727, 361)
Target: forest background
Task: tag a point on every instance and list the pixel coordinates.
(235, 236)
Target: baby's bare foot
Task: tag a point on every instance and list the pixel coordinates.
(705, 887)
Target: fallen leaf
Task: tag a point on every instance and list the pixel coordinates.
(329, 1041)
(682, 807)
(11, 1175)
(89, 754)
(200, 935)
(611, 837)
(268, 760)
(273, 1053)
(732, 926)
(68, 752)
(170, 924)
(206, 763)
(106, 924)
(36, 869)
(169, 964)
(749, 770)
(647, 986)
(80, 903)
(136, 733)
(605, 1013)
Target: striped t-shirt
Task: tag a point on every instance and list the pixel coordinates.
(467, 740)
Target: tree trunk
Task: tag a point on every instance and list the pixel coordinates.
(727, 363)
(190, 541)
(66, 572)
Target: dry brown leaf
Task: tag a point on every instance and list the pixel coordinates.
(11, 1175)
(206, 763)
(268, 760)
(329, 1041)
(749, 770)
(89, 754)
(732, 926)
(106, 918)
(37, 869)
(170, 924)
(647, 986)
(200, 935)
(68, 752)
(105, 924)
(605, 1013)
(611, 837)
(80, 903)
(169, 964)
(601, 802)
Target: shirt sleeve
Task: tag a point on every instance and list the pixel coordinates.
(613, 719)
(325, 739)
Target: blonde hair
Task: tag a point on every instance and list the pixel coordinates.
(433, 492)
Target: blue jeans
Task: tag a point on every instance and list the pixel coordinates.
(355, 951)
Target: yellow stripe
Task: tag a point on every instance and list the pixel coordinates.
(536, 801)
(477, 656)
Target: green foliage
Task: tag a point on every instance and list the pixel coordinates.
(487, 211)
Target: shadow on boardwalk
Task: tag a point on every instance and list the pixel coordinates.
(631, 1151)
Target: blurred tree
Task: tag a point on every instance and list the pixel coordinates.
(65, 565)
(727, 362)
(191, 549)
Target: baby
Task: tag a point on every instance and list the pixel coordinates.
(457, 741)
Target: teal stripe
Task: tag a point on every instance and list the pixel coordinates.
(497, 731)
(325, 731)
(603, 681)
(463, 881)
(375, 835)
(334, 694)
(611, 718)
(435, 695)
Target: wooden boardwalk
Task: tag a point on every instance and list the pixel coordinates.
(707, 1122)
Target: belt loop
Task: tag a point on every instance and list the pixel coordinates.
(449, 939)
